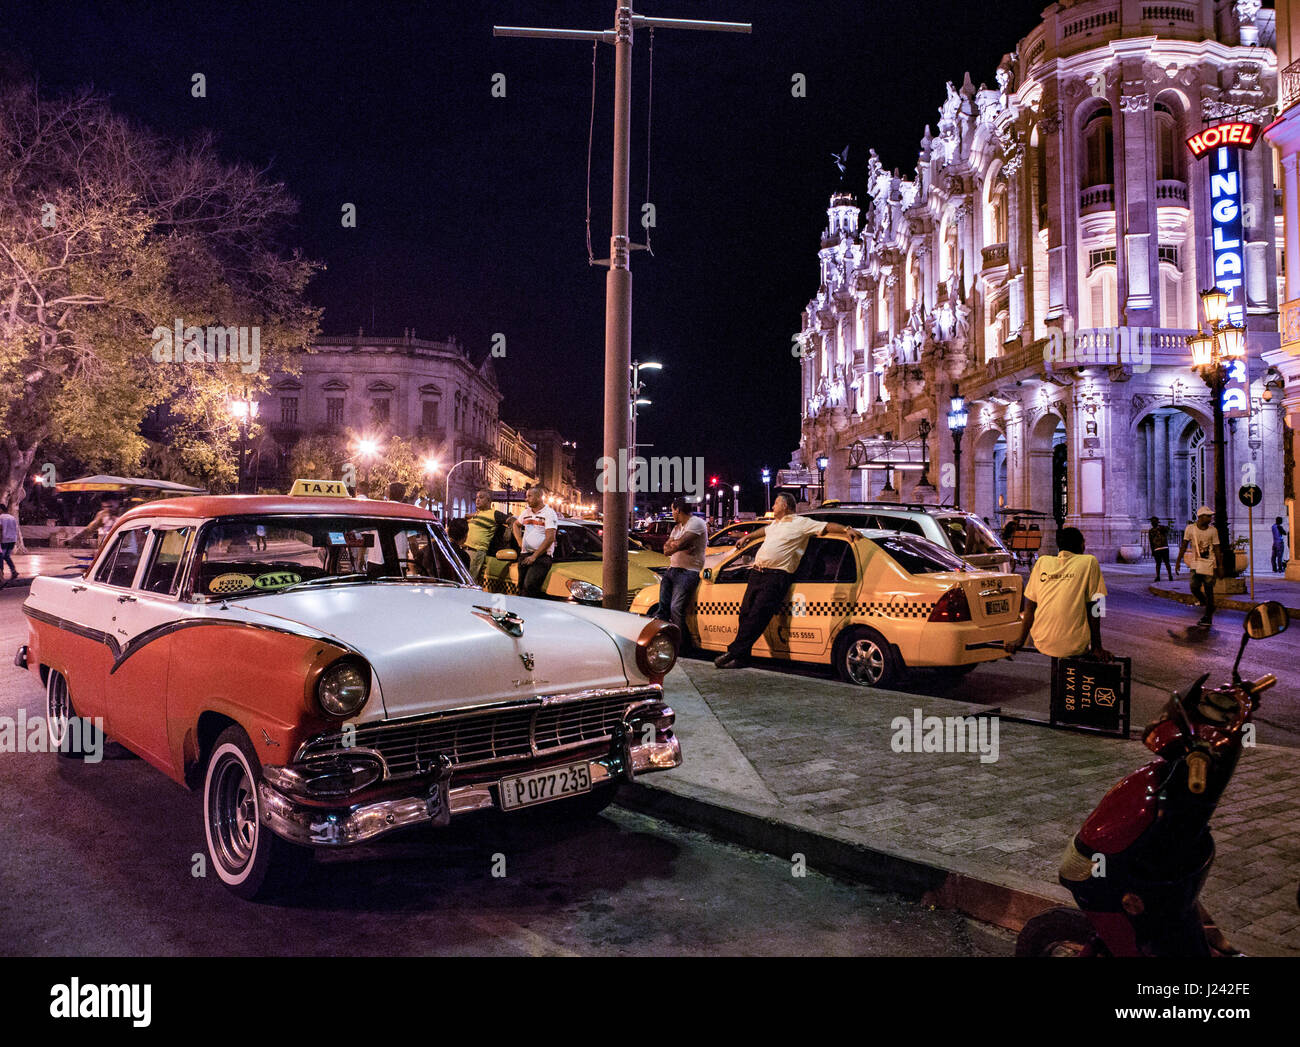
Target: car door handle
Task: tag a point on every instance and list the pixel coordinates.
(78, 588)
(126, 599)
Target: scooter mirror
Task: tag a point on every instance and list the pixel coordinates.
(1266, 619)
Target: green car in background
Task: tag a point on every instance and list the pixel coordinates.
(576, 571)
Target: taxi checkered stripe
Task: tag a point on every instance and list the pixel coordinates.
(828, 608)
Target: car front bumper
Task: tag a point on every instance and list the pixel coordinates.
(437, 801)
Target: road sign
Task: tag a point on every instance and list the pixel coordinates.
(1250, 495)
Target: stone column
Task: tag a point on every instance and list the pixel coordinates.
(1160, 492)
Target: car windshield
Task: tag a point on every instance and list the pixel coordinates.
(573, 544)
(970, 537)
(248, 555)
(919, 556)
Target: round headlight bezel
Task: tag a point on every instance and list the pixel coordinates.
(328, 695)
(656, 649)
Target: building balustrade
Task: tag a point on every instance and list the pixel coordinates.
(1097, 198)
(1288, 86)
(1170, 192)
(995, 255)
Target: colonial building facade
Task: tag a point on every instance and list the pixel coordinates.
(1044, 262)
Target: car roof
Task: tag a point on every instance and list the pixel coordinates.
(206, 506)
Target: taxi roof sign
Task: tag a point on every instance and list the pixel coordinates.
(319, 488)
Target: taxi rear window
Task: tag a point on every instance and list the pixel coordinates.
(918, 556)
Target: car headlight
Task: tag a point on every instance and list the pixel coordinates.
(585, 592)
(343, 688)
(656, 649)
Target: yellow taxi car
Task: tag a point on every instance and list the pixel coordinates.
(576, 567)
(873, 609)
(724, 539)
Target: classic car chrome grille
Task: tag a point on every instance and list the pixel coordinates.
(477, 738)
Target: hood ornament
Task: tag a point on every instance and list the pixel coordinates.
(527, 658)
(507, 621)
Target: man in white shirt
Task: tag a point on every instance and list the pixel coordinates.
(685, 552)
(1206, 560)
(535, 530)
(1060, 602)
(784, 541)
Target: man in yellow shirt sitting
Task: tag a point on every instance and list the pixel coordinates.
(1063, 601)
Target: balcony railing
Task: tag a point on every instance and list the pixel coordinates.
(1171, 193)
(1097, 198)
(1288, 86)
(995, 255)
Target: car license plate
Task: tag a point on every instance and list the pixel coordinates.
(556, 783)
(992, 607)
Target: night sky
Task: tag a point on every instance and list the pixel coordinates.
(470, 208)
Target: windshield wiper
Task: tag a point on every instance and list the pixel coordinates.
(421, 578)
(326, 578)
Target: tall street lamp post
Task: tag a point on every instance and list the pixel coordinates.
(822, 462)
(735, 501)
(636, 388)
(767, 489)
(618, 280)
(1214, 348)
(245, 411)
(957, 418)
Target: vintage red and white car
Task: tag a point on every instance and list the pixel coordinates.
(326, 672)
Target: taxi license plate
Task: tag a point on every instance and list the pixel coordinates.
(992, 607)
(523, 790)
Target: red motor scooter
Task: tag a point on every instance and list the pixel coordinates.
(1137, 866)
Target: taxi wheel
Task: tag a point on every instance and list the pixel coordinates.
(866, 658)
(249, 859)
(70, 735)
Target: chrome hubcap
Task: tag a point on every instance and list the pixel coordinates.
(233, 814)
(865, 661)
(58, 709)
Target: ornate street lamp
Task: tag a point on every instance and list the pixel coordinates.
(1214, 348)
(244, 409)
(767, 488)
(957, 418)
(735, 501)
(822, 462)
(923, 429)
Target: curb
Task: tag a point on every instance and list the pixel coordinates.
(1227, 603)
(1006, 902)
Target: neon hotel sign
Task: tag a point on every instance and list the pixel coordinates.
(1221, 145)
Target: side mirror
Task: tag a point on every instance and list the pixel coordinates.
(707, 574)
(506, 555)
(1266, 619)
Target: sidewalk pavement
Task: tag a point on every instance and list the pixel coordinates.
(792, 764)
(1267, 587)
(44, 561)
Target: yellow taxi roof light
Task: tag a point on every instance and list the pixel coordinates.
(319, 488)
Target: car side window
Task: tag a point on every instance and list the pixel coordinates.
(900, 523)
(738, 569)
(164, 573)
(120, 562)
(827, 560)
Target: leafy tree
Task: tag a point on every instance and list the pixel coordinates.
(110, 234)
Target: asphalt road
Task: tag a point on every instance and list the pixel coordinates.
(101, 859)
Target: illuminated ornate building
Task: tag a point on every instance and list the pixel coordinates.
(1044, 261)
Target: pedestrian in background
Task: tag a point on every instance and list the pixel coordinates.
(784, 540)
(1279, 546)
(458, 531)
(1206, 561)
(685, 552)
(8, 539)
(535, 529)
(487, 531)
(1061, 609)
(1159, 538)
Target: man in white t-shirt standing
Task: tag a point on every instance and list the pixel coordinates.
(1206, 560)
(535, 530)
(784, 540)
(1061, 609)
(685, 551)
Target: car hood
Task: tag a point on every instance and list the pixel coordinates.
(434, 647)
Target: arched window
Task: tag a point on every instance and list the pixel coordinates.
(1040, 181)
(1171, 296)
(882, 308)
(996, 229)
(1169, 154)
(1098, 150)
